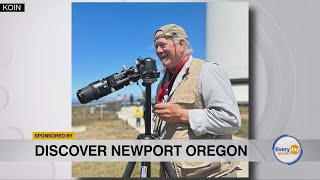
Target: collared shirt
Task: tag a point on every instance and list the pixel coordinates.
(221, 113)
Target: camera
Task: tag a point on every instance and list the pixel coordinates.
(144, 69)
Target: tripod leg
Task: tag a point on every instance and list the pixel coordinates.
(169, 169)
(127, 173)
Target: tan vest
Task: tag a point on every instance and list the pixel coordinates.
(188, 95)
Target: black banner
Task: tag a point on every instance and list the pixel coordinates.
(11, 7)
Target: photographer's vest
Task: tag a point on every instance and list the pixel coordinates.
(187, 95)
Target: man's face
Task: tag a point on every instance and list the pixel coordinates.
(169, 53)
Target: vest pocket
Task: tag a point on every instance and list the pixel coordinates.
(198, 169)
(186, 98)
(187, 101)
(193, 165)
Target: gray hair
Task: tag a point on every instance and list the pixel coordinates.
(188, 49)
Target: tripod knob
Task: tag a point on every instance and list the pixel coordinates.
(124, 67)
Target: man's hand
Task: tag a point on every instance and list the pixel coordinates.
(171, 113)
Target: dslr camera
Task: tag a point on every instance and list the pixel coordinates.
(144, 69)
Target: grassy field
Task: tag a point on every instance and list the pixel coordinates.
(108, 128)
(244, 130)
(111, 128)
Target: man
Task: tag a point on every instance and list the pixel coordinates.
(194, 101)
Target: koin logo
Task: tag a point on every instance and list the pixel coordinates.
(12, 7)
(287, 149)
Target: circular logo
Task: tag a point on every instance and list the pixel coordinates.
(287, 149)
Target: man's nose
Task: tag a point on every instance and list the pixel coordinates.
(159, 49)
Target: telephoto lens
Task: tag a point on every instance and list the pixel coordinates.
(95, 90)
(85, 94)
(108, 85)
(145, 69)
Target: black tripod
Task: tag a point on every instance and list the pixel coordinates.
(145, 69)
(145, 171)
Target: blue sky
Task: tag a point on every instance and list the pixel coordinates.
(106, 36)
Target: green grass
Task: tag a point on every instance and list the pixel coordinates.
(108, 169)
(108, 128)
(244, 130)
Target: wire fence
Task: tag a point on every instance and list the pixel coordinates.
(84, 114)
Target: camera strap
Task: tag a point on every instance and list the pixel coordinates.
(163, 88)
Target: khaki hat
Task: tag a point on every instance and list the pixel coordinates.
(170, 31)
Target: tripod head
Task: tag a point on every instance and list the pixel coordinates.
(144, 69)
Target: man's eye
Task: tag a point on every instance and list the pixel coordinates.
(163, 45)
(160, 45)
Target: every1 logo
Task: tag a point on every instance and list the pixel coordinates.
(287, 149)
